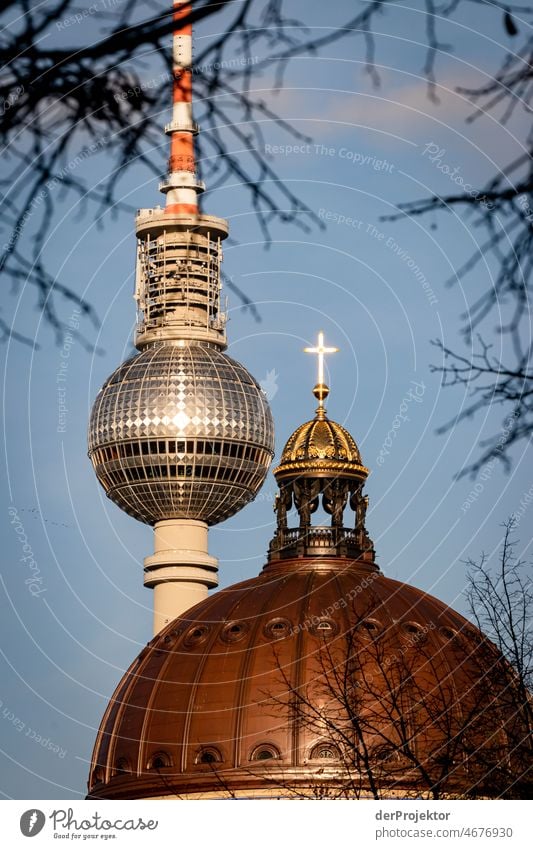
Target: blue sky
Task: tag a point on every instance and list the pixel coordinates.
(64, 649)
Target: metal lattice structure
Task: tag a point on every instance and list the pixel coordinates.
(178, 277)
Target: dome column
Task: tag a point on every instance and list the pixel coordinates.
(181, 571)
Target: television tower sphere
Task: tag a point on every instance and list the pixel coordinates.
(181, 431)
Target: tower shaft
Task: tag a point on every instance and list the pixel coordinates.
(180, 571)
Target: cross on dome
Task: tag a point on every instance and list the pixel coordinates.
(321, 390)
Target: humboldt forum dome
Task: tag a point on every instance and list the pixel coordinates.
(321, 677)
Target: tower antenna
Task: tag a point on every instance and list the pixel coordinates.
(181, 185)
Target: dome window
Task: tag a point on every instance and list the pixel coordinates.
(417, 633)
(449, 634)
(324, 628)
(233, 632)
(98, 776)
(370, 627)
(159, 761)
(277, 629)
(122, 766)
(209, 755)
(325, 751)
(265, 753)
(386, 754)
(196, 635)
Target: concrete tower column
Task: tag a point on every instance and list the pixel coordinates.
(180, 571)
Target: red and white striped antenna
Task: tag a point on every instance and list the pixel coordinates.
(181, 185)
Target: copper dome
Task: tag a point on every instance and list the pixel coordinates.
(210, 707)
(319, 678)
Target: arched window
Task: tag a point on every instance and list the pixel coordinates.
(208, 755)
(122, 766)
(98, 775)
(324, 628)
(370, 628)
(159, 760)
(325, 751)
(265, 752)
(386, 755)
(415, 632)
(277, 629)
(196, 635)
(232, 632)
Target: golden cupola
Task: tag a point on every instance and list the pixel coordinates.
(321, 466)
(321, 447)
